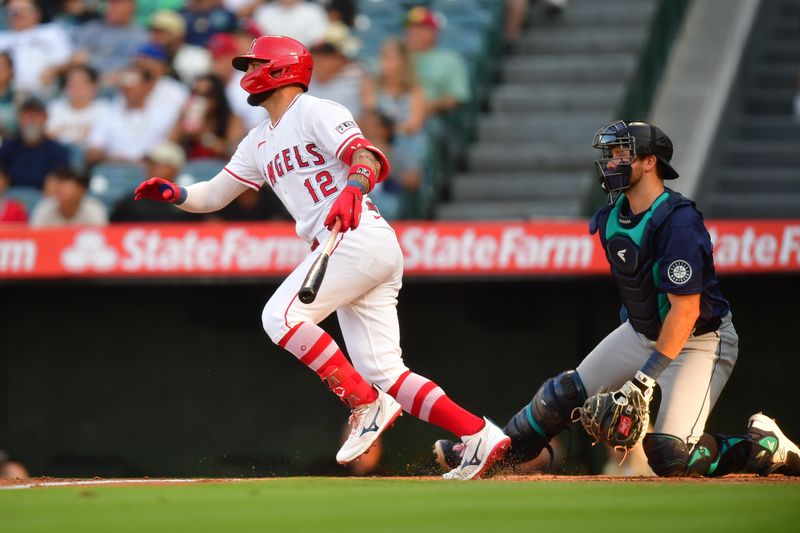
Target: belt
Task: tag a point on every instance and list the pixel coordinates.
(314, 245)
(708, 327)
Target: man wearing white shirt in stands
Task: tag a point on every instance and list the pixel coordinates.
(130, 128)
(38, 50)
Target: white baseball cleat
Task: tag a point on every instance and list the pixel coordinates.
(481, 451)
(766, 433)
(367, 422)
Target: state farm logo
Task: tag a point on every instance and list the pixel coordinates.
(89, 251)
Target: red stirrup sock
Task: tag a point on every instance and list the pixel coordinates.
(427, 401)
(318, 351)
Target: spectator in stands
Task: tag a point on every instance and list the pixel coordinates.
(70, 118)
(129, 129)
(69, 205)
(8, 100)
(442, 73)
(38, 50)
(336, 76)
(109, 45)
(168, 30)
(387, 195)
(204, 18)
(299, 19)
(207, 127)
(145, 9)
(400, 196)
(399, 96)
(223, 47)
(29, 157)
(165, 161)
(10, 209)
(343, 11)
(73, 13)
(517, 15)
(243, 9)
(169, 94)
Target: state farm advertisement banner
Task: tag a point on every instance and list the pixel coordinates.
(463, 249)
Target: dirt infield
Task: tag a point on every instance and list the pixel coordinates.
(42, 482)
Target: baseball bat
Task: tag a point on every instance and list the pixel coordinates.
(310, 287)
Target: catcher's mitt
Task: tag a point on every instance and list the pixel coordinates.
(619, 418)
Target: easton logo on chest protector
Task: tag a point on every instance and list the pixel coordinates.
(635, 269)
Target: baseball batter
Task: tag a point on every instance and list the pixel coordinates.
(312, 154)
(676, 331)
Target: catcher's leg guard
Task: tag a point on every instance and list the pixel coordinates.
(712, 456)
(545, 416)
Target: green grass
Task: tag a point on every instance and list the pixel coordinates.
(410, 506)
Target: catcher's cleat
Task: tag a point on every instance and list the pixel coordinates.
(367, 422)
(774, 452)
(448, 453)
(481, 451)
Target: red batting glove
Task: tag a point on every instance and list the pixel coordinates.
(159, 190)
(347, 208)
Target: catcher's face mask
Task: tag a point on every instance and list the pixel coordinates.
(613, 169)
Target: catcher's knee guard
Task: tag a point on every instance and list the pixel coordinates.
(667, 455)
(712, 456)
(545, 416)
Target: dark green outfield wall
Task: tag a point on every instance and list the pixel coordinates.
(181, 380)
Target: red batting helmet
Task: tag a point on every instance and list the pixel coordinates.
(287, 61)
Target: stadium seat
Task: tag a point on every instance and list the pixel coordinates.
(27, 196)
(109, 182)
(199, 170)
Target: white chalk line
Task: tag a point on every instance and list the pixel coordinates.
(84, 482)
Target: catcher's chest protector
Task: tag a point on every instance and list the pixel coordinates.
(635, 268)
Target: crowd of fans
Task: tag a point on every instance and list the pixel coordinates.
(149, 85)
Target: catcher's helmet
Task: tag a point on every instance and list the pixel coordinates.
(637, 139)
(287, 62)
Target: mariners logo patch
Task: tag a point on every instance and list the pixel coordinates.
(679, 272)
(344, 126)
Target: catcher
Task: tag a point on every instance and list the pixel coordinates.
(676, 331)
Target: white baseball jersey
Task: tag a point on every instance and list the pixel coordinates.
(299, 158)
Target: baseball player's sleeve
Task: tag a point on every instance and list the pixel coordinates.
(685, 252)
(332, 127)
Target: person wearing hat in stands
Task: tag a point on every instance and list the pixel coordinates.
(164, 161)
(169, 94)
(69, 205)
(336, 77)
(205, 18)
(28, 158)
(108, 45)
(442, 73)
(168, 30)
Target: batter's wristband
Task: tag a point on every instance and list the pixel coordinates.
(182, 194)
(356, 183)
(655, 365)
(366, 172)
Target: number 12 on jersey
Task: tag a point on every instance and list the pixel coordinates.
(324, 184)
